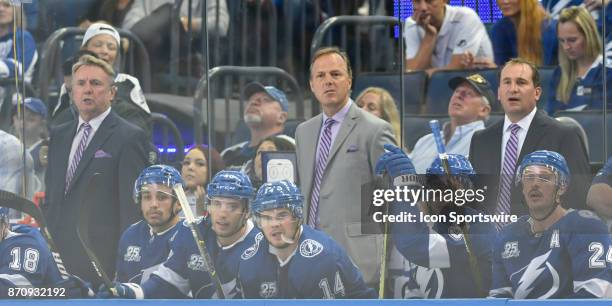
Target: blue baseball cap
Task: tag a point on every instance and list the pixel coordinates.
(272, 91)
(36, 105)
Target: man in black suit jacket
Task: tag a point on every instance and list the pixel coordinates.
(98, 142)
(519, 91)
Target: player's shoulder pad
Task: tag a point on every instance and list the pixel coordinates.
(584, 222)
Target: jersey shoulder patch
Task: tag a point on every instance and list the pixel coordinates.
(310, 248)
(252, 250)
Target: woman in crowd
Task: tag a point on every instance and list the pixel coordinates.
(578, 79)
(20, 60)
(253, 167)
(525, 31)
(380, 103)
(129, 102)
(194, 170)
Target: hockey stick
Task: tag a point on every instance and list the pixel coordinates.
(84, 214)
(437, 135)
(199, 239)
(15, 202)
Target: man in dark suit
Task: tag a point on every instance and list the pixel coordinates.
(337, 152)
(98, 142)
(496, 150)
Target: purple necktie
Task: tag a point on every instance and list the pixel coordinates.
(321, 163)
(78, 154)
(507, 174)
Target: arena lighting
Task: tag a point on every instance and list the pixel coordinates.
(171, 149)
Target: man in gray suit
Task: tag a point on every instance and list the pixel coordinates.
(337, 152)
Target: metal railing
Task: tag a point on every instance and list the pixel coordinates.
(51, 60)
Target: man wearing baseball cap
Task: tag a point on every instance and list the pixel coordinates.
(31, 129)
(468, 107)
(265, 114)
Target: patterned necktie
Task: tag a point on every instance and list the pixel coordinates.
(507, 174)
(321, 163)
(77, 154)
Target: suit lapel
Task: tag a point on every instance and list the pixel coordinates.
(345, 129)
(496, 144)
(536, 131)
(104, 131)
(64, 143)
(310, 148)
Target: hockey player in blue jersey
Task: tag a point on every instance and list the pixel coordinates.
(145, 244)
(553, 252)
(227, 232)
(26, 261)
(294, 260)
(435, 253)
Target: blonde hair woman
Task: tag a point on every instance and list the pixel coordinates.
(379, 102)
(578, 79)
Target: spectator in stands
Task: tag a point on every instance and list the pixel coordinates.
(265, 114)
(151, 21)
(129, 102)
(13, 170)
(253, 168)
(441, 36)
(579, 78)
(111, 11)
(599, 197)
(15, 59)
(594, 7)
(31, 128)
(469, 106)
(525, 31)
(195, 172)
(497, 150)
(379, 102)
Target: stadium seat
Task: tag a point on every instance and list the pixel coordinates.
(414, 87)
(438, 92)
(546, 74)
(592, 123)
(571, 122)
(417, 126)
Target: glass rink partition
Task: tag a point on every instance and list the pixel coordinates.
(183, 76)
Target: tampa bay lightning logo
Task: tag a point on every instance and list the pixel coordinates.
(534, 274)
(310, 248)
(430, 281)
(252, 250)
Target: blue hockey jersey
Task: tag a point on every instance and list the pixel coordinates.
(571, 259)
(437, 263)
(26, 261)
(318, 269)
(185, 275)
(7, 55)
(141, 251)
(587, 92)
